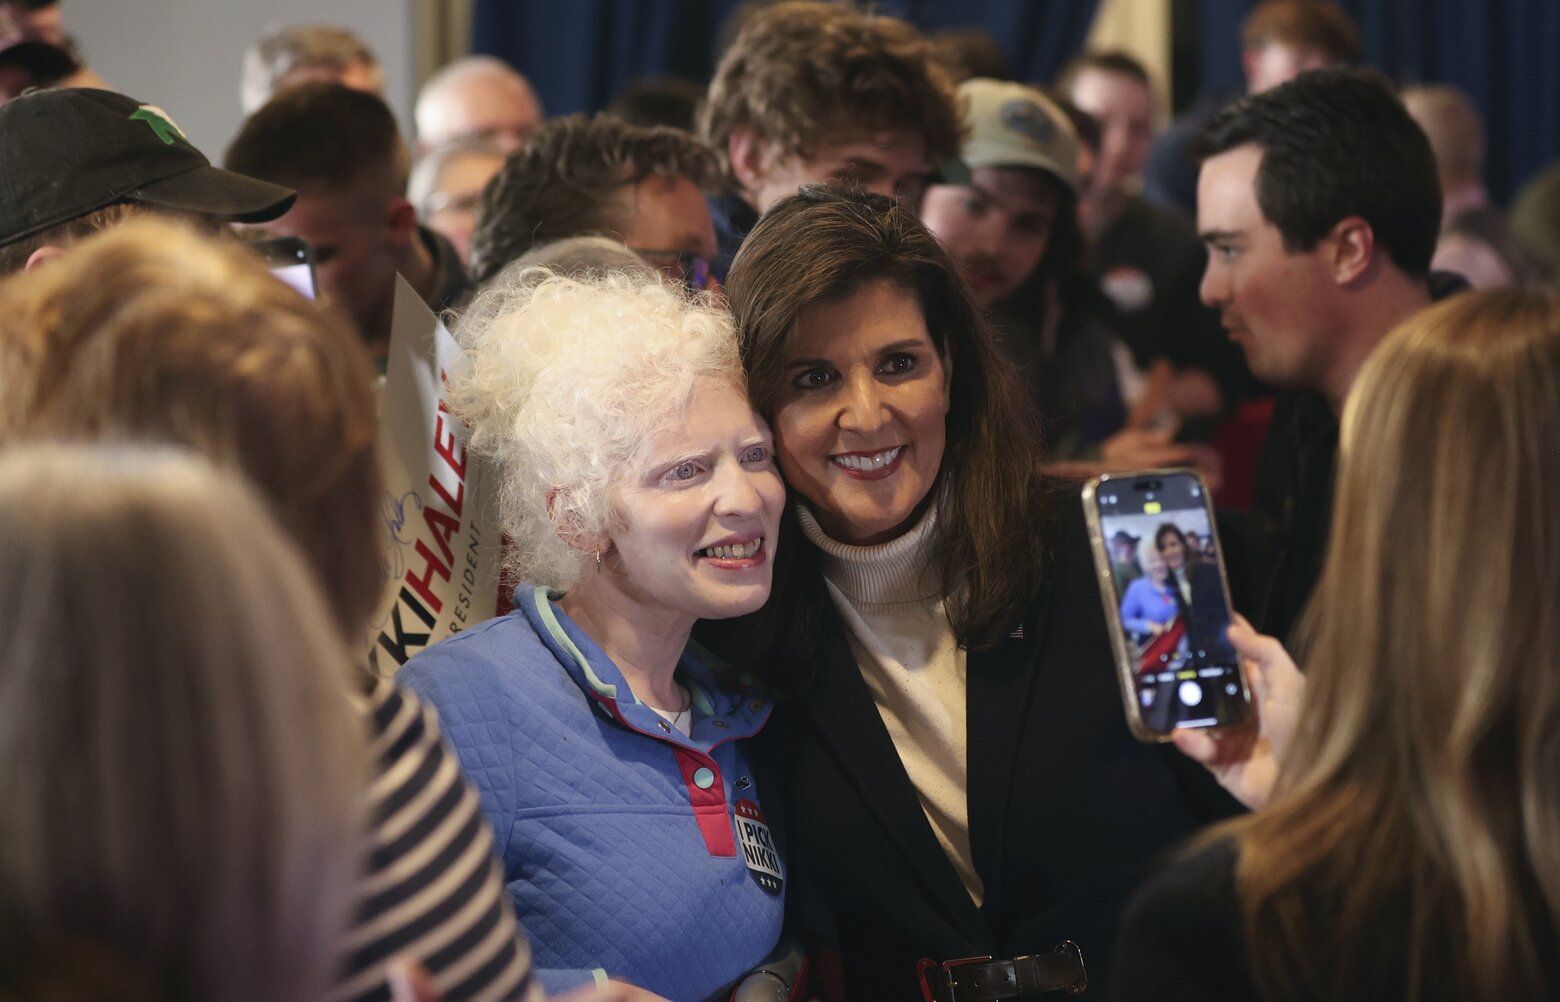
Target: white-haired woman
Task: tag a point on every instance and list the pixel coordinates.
(640, 492)
(183, 763)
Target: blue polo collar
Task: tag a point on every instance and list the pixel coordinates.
(721, 714)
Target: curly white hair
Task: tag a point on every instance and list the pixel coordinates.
(565, 384)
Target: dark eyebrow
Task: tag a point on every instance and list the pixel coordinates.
(905, 344)
(1212, 236)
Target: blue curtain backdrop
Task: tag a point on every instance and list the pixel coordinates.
(578, 54)
(1504, 53)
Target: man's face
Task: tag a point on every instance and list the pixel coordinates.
(996, 228)
(891, 163)
(493, 108)
(1124, 107)
(669, 222)
(452, 208)
(44, 24)
(1275, 304)
(1280, 62)
(355, 254)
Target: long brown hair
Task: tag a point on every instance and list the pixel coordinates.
(822, 245)
(184, 764)
(150, 331)
(1414, 849)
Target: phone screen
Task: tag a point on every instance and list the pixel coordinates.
(1173, 609)
(299, 276)
(291, 260)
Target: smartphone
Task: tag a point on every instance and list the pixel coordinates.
(291, 260)
(1167, 601)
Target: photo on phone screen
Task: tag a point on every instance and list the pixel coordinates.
(1167, 600)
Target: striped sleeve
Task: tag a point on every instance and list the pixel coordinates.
(433, 890)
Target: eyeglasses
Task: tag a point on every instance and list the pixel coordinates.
(690, 268)
(443, 201)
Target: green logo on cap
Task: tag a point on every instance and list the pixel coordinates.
(160, 123)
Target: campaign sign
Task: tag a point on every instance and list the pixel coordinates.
(441, 550)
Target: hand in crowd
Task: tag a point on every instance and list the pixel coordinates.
(1246, 760)
(1193, 393)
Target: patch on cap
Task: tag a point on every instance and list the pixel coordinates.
(1029, 119)
(159, 122)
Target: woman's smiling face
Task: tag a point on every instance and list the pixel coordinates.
(860, 425)
(698, 525)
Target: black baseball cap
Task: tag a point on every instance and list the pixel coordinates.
(65, 153)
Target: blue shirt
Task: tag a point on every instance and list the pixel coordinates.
(1147, 604)
(626, 846)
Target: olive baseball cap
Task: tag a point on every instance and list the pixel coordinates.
(1011, 125)
(65, 153)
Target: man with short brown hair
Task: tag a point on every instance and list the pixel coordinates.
(1147, 258)
(812, 92)
(341, 150)
(600, 176)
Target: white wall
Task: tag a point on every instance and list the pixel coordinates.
(186, 56)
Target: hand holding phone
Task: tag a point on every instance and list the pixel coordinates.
(1246, 761)
(1162, 581)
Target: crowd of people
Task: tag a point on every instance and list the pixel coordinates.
(788, 385)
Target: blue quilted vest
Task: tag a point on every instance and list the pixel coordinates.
(630, 851)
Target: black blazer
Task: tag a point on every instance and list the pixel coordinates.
(1068, 813)
(1207, 616)
(1181, 939)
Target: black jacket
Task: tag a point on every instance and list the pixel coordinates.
(1067, 812)
(1181, 940)
(1291, 514)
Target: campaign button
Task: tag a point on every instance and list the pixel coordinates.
(703, 778)
(758, 847)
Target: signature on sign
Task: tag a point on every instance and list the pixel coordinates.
(395, 511)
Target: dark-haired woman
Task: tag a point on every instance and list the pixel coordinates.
(957, 773)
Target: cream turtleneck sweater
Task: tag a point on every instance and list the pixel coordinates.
(912, 663)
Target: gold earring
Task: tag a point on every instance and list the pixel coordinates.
(598, 560)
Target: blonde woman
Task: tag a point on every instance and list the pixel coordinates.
(151, 332)
(641, 494)
(183, 762)
(1410, 848)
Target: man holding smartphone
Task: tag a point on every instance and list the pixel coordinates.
(1319, 203)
